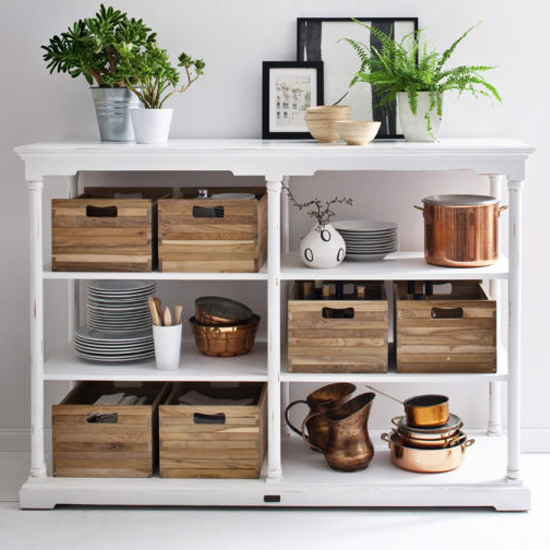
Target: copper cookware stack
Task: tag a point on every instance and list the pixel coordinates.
(223, 327)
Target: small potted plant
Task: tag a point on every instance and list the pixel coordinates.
(417, 77)
(94, 48)
(148, 72)
(323, 247)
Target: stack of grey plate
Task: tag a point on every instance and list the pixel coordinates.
(118, 321)
(368, 240)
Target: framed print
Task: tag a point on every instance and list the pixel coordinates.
(318, 40)
(289, 88)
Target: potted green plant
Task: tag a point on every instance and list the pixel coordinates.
(93, 48)
(417, 77)
(148, 72)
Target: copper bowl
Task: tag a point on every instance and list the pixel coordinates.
(225, 341)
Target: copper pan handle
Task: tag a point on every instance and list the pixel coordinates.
(394, 420)
(468, 443)
(419, 208)
(385, 437)
(306, 437)
(287, 410)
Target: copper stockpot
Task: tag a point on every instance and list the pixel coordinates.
(225, 341)
(321, 400)
(461, 230)
(348, 447)
(428, 461)
(213, 310)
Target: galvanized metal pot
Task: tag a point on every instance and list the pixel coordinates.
(112, 107)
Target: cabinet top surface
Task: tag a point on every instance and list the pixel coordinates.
(486, 146)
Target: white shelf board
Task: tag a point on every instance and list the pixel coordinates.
(307, 481)
(392, 376)
(399, 266)
(154, 275)
(194, 366)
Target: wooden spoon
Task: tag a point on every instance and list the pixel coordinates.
(178, 310)
(167, 317)
(154, 312)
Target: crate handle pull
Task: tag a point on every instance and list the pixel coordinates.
(208, 211)
(101, 211)
(334, 313)
(200, 418)
(440, 313)
(102, 418)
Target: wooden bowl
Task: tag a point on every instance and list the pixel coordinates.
(330, 112)
(323, 131)
(357, 132)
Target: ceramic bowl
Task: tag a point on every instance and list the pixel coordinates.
(356, 132)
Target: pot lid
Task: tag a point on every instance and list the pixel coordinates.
(460, 200)
(454, 423)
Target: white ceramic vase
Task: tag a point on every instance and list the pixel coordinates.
(323, 247)
(152, 125)
(415, 127)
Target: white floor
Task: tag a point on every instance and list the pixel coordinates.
(79, 528)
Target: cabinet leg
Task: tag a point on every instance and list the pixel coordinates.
(495, 424)
(274, 187)
(38, 466)
(515, 189)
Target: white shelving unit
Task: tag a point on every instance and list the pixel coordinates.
(292, 475)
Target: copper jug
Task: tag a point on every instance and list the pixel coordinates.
(348, 447)
(321, 400)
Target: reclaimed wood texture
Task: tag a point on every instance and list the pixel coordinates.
(234, 243)
(232, 449)
(463, 344)
(318, 344)
(85, 240)
(128, 448)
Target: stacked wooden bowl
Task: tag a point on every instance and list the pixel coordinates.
(321, 121)
(223, 327)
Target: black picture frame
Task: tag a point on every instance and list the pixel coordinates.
(274, 124)
(316, 42)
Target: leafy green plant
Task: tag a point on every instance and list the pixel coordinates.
(94, 47)
(148, 72)
(409, 66)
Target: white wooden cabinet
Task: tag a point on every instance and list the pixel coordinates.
(490, 475)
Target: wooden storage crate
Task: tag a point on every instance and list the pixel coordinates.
(127, 448)
(98, 232)
(213, 441)
(452, 332)
(211, 235)
(358, 343)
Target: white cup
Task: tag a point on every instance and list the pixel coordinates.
(167, 346)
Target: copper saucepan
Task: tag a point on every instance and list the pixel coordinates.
(424, 411)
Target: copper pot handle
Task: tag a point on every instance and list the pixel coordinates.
(293, 428)
(419, 208)
(468, 443)
(306, 437)
(394, 420)
(385, 437)
(502, 209)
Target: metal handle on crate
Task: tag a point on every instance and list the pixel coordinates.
(201, 418)
(101, 211)
(208, 211)
(441, 313)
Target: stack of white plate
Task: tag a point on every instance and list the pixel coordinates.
(368, 240)
(118, 321)
(97, 345)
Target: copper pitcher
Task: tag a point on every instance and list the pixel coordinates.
(348, 447)
(321, 400)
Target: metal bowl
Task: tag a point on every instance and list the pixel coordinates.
(225, 341)
(213, 310)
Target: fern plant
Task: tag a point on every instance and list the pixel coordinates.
(409, 66)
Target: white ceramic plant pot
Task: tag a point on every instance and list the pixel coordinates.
(323, 247)
(152, 125)
(415, 127)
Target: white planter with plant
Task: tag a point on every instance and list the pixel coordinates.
(153, 79)
(418, 77)
(322, 247)
(94, 47)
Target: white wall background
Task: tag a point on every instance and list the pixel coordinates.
(234, 38)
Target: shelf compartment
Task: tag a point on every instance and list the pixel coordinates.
(399, 266)
(154, 275)
(194, 367)
(307, 481)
